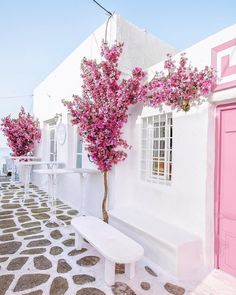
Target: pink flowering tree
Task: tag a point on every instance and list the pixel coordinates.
(102, 110)
(22, 133)
(180, 86)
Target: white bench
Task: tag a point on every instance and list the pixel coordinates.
(115, 246)
(174, 249)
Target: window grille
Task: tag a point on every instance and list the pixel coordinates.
(156, 159)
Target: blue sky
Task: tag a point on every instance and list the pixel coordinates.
(36, 36)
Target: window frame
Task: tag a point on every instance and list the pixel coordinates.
(151, 152)
(52, 127)
(78, 138)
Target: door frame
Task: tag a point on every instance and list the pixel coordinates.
(219, 110)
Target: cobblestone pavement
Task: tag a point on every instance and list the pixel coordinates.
(40, 258)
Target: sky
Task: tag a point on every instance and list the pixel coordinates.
(36, 36)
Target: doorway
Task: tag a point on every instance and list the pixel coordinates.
(225, 189)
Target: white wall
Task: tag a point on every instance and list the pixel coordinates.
(188, 201)
(140, 49)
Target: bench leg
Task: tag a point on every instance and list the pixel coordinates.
(130, 270)
(78, 241)
(109, 272)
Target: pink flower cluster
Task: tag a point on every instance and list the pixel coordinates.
(181, 85)
(101, 111)
(22, 133)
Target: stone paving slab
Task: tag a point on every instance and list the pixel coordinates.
(39, 259)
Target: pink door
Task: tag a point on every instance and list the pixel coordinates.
(226, 189)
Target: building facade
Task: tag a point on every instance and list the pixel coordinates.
(175, 191)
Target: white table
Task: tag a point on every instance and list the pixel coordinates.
(115, 246)
(18, 158)
(27, 166)
(52, 173)
(83, 172)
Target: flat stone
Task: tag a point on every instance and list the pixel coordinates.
(69, 243)
(3, 259)
(10, 206)
(21, 210)
(21, 213)
(41, 216)
(32, 206)
(5, 282)
(38, 292)
(64, 217)
(56, 234)
(34, 251)
(59, 286)
(9, 247)
(59, 212)
(72, 212)
(56, 250)
(27, 201)
(29, 281)
(31, 224)
(24, 218)
(29, 231)
(83, 279)
(6, 216)
(39, 243)
(6, 223)
(150, 271)
(10, 230)
(88, 261)
(40, 210)
(52, 224)
(17, 263)
(91, 291)
(7, 237)
(7, 197)
(174, 289)
(145, 286)
(122, 289)
(34, 237)
(41, 262)
(77, 252)
(63, 266)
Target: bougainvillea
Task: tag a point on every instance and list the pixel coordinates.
(101, 110)
(180, 85)
(22, 133)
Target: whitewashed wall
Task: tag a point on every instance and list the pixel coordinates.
(188, 201)
(140, 49)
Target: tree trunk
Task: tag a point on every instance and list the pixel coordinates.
(105, 198)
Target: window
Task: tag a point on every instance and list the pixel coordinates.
(79, 147)
(156, 159)
(52, 143)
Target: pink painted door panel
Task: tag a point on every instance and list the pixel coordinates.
(227, 190)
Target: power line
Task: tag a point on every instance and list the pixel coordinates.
(107, 11)
(16, 96)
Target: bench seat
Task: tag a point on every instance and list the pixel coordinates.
(168, 246)
(115, 246)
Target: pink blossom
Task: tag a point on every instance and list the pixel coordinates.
(101, 111)
(22, 133)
